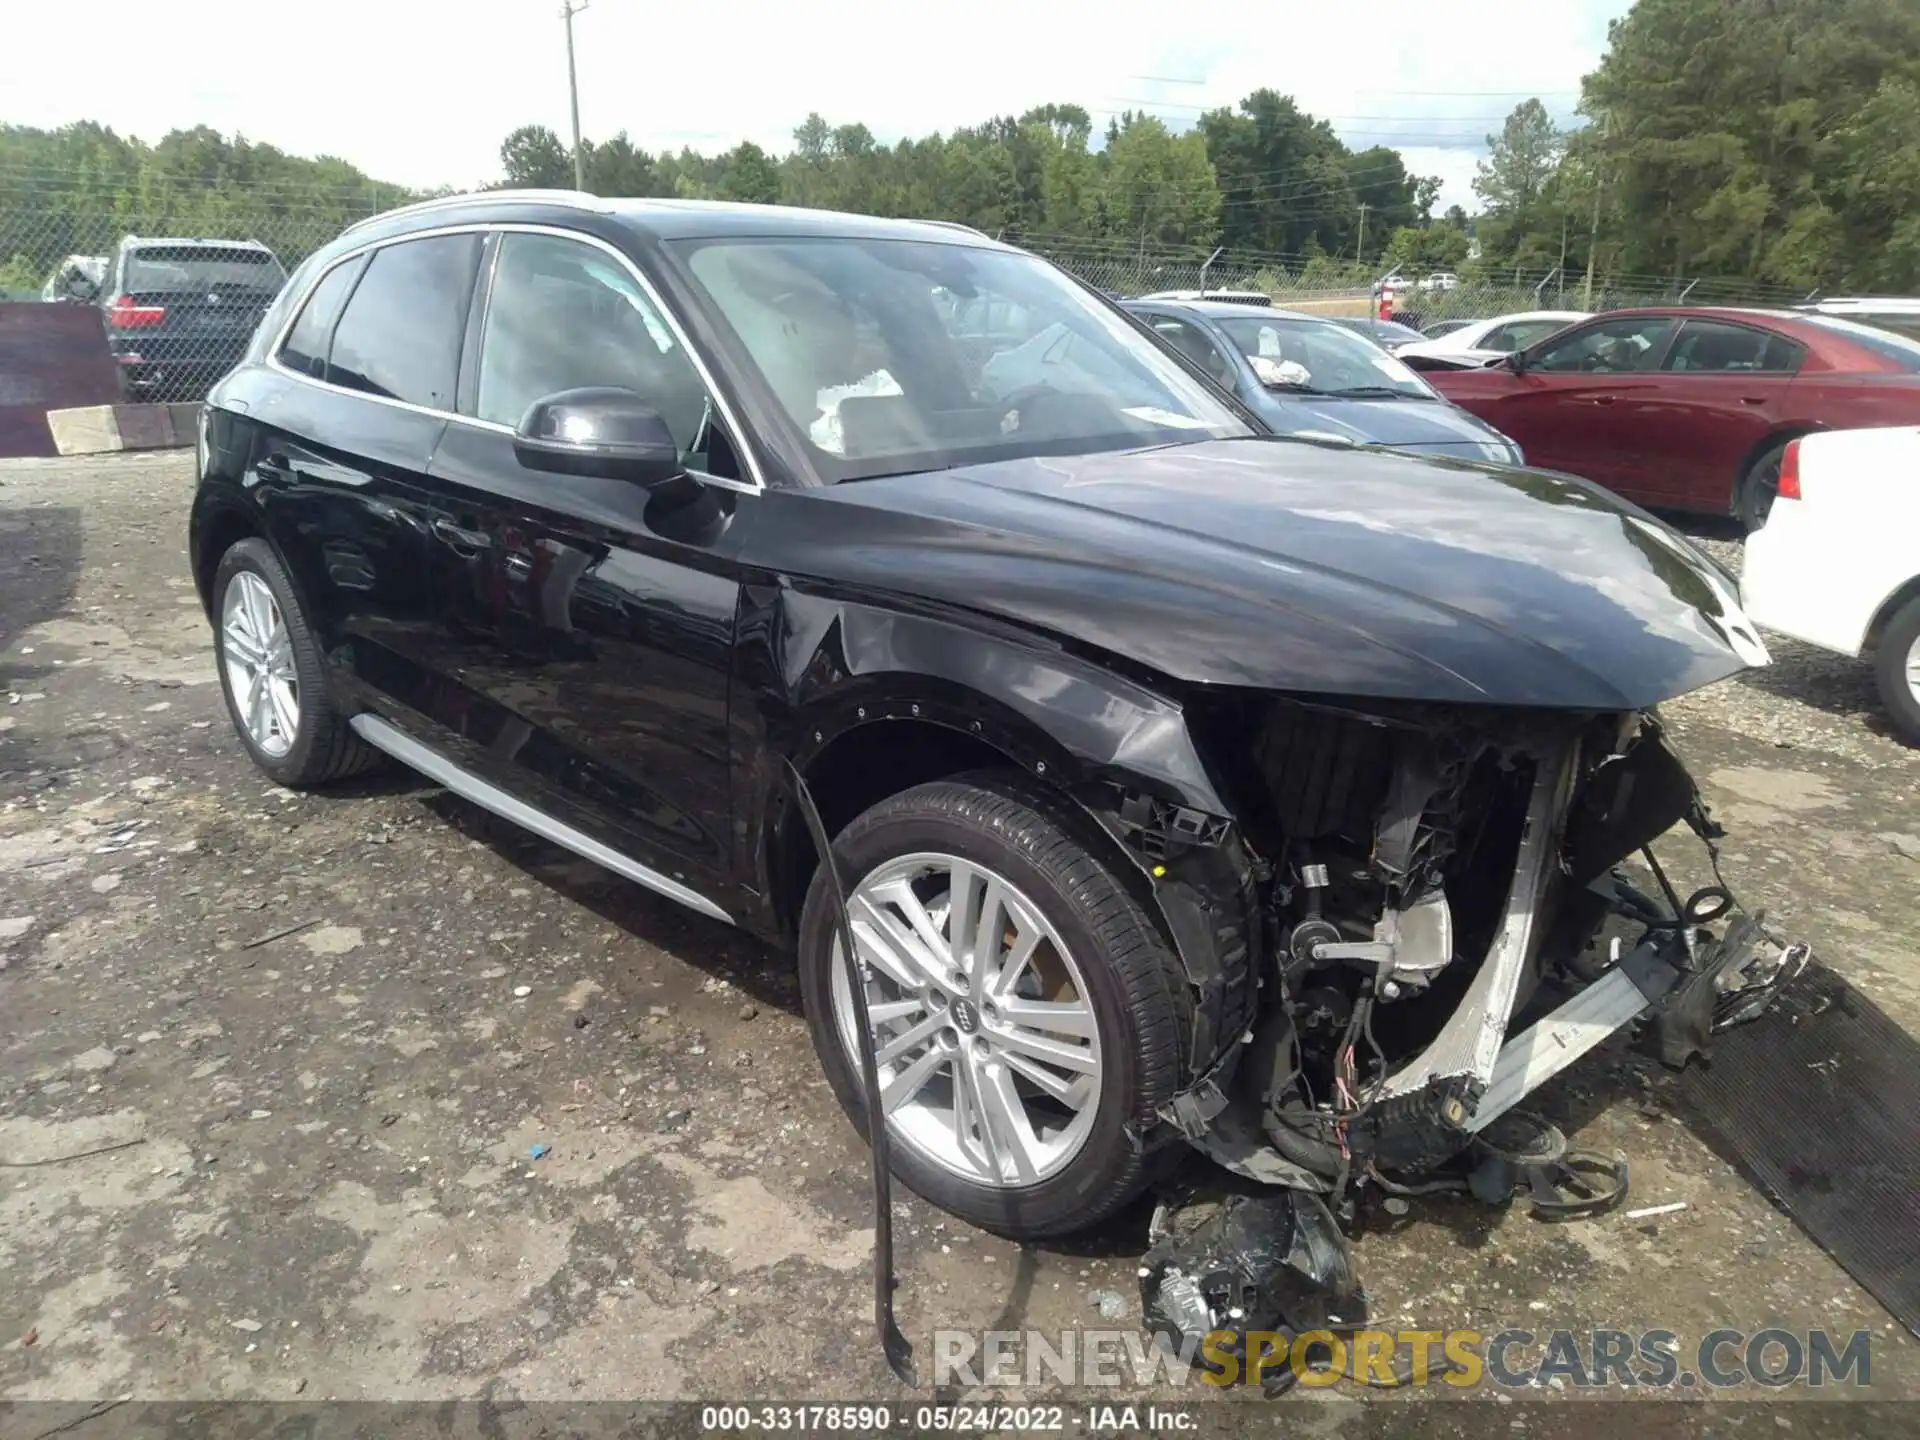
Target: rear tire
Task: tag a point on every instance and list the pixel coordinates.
(1756, 490)
(315, 744)
(1134, 988)
(1897, 669)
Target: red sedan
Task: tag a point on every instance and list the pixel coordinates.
(1690, 409)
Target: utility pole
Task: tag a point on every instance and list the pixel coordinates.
(1360, 250)
(1593, 235)
(1561, 269)
(567, 12)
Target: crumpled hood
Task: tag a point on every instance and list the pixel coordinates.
(1291, 565)
(1436, 425)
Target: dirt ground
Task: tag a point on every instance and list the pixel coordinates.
(337, 1026)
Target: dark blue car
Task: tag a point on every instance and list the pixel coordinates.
(1308, 376)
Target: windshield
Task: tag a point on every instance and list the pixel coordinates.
(1329, 360)
(202, 267)
(1900, 349)
(892, 356)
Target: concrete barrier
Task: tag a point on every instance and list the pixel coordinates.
(103, 429)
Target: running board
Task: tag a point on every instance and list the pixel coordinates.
(488, 796)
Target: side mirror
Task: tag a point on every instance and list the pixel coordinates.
(601, 431)
(1516, 361)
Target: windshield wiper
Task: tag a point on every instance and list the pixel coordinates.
(1376, 392)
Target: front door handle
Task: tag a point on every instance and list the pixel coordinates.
(1753, 399)
(1605, 399)
(466, 542)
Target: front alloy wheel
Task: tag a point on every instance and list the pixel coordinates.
(1029, 1020)
(989, 1053)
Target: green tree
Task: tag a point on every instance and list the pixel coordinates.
(748, 173)
(1761, 138)
(1521, 223)
(533, 158)
(1159, 187)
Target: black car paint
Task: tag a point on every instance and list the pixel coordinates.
(1054, 611)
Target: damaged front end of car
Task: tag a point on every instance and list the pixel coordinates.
(1436, 919)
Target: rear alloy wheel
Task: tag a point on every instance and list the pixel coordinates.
(273, 676)
(1897, 668)
(1755, 492)
(1025, 1008)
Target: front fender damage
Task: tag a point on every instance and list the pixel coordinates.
(1123, 752)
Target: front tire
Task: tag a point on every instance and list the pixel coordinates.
(1896, 667)
(273, 675)
(1030, 1012)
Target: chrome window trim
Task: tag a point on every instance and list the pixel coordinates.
(756, 486)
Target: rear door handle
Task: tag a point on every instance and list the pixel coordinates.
(1753, 399)
(467, 542)
(1605, 399)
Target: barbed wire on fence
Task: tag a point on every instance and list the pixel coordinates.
(47, 238)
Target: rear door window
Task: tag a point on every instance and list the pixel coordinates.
(1716, 346)
(401, 333)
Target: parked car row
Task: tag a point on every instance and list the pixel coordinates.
(1690, 408)
(1686, 409)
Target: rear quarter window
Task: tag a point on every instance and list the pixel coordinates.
(305, 348)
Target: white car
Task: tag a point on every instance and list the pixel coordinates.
(1230, 297)
(1440, 280)
(1487, 340)
(1837, 563)
(1899, 313)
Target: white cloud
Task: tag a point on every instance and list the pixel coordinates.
(422, 91)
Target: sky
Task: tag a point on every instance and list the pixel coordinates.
(421, 92)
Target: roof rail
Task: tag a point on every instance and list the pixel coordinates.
(578, 199)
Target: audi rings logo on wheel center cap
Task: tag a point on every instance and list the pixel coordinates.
(966, 1019)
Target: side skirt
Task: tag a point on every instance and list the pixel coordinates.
(468, 786)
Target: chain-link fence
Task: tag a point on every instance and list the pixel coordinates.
(183, 272)
(181, 276)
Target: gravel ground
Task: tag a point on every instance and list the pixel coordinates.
(338, 1026)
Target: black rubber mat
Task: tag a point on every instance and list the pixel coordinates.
(1818, 1102)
